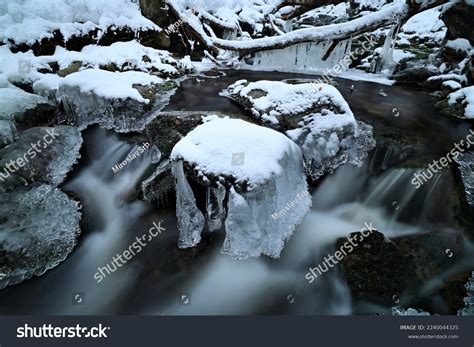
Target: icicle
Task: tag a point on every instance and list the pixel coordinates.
(190, 219)
(215, 207)
(302, 57)
(243, 235)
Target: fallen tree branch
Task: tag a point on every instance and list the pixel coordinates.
(388, 15)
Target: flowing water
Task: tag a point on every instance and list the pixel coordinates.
(163, 280)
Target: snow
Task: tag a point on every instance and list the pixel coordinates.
(452, 85)
(334, 31)
(460, 45)
(229, 12)
(426, 25)
(466, 97)
(120, 53)
(314, 115)
(283, 99)
(210, 148)
(109, 85)
(27, 21)
(270, 163)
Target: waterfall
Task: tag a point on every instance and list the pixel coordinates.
(303, 57)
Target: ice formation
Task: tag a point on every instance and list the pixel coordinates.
(400, 311)
(315, 116)
(466, 166)
(251, 170)
(307, 57)
(38, 230)
(468, 310)
(111, 99)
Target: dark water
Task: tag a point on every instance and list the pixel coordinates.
(165, 280)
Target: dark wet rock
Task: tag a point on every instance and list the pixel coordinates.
(413, 74)
(455, 110)
(73, 67)
(380, 269)
(32, 159)
(156, 11)
(459, 19)
(38, 230)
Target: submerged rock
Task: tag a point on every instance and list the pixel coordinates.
(38, 229)
(256, 172)
(315, 116)
(381, 269)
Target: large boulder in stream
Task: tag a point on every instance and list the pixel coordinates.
(39, 224)
(390, 271)
(314, 115)
(256, 172)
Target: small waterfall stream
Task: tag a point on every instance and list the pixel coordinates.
(154, 281)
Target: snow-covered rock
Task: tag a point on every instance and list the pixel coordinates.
(115, 100)
(254, 171)
(29, 21)
(465, 98)
(38, 229)
(425, 29)
(314, 116)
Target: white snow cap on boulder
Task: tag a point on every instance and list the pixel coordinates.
(278, 99)
(314, 115)
(229, 152)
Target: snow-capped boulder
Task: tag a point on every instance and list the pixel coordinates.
(38, 229)
(314, 116)
(463, 99)
(116, 100)
(255, 171)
